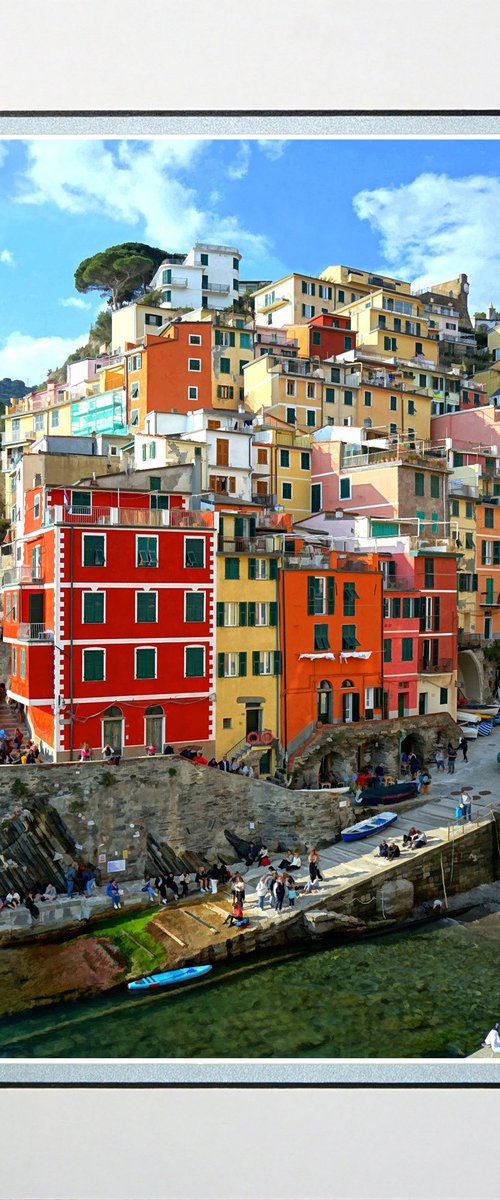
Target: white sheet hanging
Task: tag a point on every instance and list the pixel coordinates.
(354, 654)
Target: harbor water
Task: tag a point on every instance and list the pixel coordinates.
(432, 992)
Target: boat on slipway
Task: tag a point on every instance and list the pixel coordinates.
(167, 978)
(403, 789)
(365, 829)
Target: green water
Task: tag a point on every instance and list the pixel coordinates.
(433, 992)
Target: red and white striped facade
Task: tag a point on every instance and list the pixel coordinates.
(103, 625)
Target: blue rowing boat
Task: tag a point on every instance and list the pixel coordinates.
(485, 727)
(164, 978)
(365, 828)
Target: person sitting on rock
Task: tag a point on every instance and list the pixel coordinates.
(383, 850)
(393, 851)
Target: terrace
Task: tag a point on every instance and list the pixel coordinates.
(174, 518)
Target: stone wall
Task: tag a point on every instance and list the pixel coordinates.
(345, 746)
(110, 811)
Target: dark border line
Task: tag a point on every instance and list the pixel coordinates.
(253, 112)
(229, 1085)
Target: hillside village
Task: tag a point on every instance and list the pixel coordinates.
(263, 511)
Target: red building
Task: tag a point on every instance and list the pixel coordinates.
(323, 336)
(401, 637)
(331, 640)
(110, 616)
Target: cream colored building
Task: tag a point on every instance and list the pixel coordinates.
(293, 300)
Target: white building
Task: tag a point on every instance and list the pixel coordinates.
(293, 300)
(207, 277)
(225, 436)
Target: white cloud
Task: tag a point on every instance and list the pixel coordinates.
(4, 150)
(75, 302)
(142, 184)
(436, 227)
(273, 148)
(239, 168)
(7, 258)
(31, 358)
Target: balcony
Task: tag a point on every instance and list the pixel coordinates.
(155, 518)
(249, 545)
(22, 574)
(179, 281)
(267, 499)
(400, 583)
(306, 562)
(35, 631)
(489, 601)
(443, 666)
(273, 520)
(218, 288)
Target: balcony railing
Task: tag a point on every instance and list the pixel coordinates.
(21, 574)
(292, 562)
(179, 281)
(399, 583)
(268, 499)
(439, 668)
(489, 601)
(222, 288)
(249, 545)
(35, 631)
(155, 518)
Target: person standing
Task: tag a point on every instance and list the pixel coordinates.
(213, 876)
(314, 871)
(291, 891)
(439, 758)
(414, 765)
(279, 892)
(466, 804)
(70, 879)
(462, 745)
(238, 890)
(184, 882)
(261, 890)
(452, 754)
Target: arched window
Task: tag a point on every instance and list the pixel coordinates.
(112, 728)
(325, 702)
(348, 683)
(154, 722)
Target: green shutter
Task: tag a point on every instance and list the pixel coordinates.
(243, 662)
(220, 664)
(406, 607)
(330, 595)
(195, 606)
(255, 662)
(93, 550)
(93, 608)
(195, 551)
(311, 591)
(145, 664)
(232, 568)
(146, 606)
(93, 661)
(251, 612)
(277, 662)
(147, 552)
(243, 612)
(273, 568)
(194, 662)
(251, 568)
(273, 613)
(231, 338)
(220, 612)
(252, 524)
(239, 527)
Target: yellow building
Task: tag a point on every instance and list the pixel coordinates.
(293, 300)
(291, 388)
(394, 325)
(463, 493)
(247, 641)
(386, 397)
(37, 414)
(281, 468)
(350, 285)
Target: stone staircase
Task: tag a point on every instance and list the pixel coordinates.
(10, 721)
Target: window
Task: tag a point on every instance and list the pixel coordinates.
(261, 569)
(330, 395)
(290, 387)
(488, 518)
(387, 650)
(321, 641)
(390, 343)
(407, 649)
(152, 449)
(81, 502)
(194, 552)
(347, 342)
(469, 541)
(429, 573)
(94, 550)
(14, 660)
(286, 491)
(134, 390)
(93, 608)
(435, 487)
(311, 391)
(195, 606)
(311, 417)
(146, 551)
(316, 595)
(146, 607)
(316, 497)
(443, 695)
(195, 339)
(341, 296)
(419, 484)
(349, 641)
(135, 362)
(236, 264)
(291, 416)
(419, 349)
(204, 260)
(422, 704)
(486, 553)
(224, 392)
(308, 310)
(245, 341)
(284, 458)
(393, 404)
(54, 419)
(411, 408)
(145, 662)
(335, 374)
(345, 488)
(368, 399)
(232, 568)
(93, 665)
(393, 428)
(36, 507)
(225, 366)
(261, 613)
(347, 396)
(194, 364)
(192, 393)
(316, 337)
(266, 662)
(308, 289)
(455, 508)
(350, 597)
(305, 460)
(469, 510)
(22, 664)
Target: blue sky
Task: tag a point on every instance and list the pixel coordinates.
(421, 209)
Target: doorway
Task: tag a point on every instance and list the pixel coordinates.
(402, 703)
(351, 707)
(325, 702)
(153, 732)
(35, 613)
(253, 716)
(112, 728)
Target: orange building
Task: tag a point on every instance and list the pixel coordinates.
(323, 336)
(171, 373)
(331, 636)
